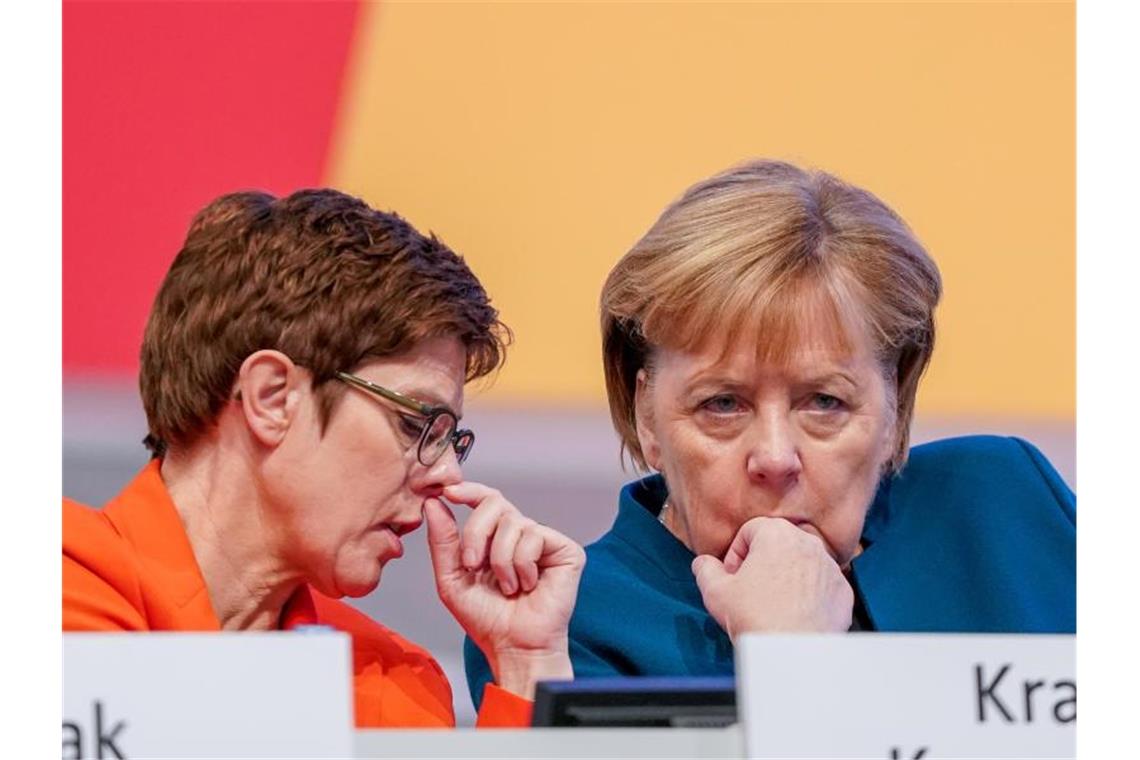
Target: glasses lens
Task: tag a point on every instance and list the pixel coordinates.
(437, 437)
(464, 440)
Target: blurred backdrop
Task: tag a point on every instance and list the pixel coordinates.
(539, 141)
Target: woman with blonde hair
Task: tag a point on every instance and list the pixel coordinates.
(763, 344)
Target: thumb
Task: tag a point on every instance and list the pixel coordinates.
(443, 539)
(707, 569)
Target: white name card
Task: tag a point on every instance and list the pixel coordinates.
(907, 696)
(203, 695)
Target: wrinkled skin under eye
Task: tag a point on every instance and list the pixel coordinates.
(825, 415)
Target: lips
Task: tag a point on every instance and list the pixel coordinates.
(401, 529)
(393, 539)
(390, 533)
(393, 531)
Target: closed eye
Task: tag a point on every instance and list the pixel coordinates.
(413, 427)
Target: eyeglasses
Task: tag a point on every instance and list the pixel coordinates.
(435, 427)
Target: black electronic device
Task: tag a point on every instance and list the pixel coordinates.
(689, 702)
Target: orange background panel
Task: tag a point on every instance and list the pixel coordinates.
(540, 140)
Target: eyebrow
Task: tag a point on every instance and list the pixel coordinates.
(702, 381)
(825, 377)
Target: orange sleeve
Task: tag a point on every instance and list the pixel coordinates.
(100, 585)
(503, 709)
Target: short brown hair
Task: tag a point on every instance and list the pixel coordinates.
(743, 253)
(317, 275)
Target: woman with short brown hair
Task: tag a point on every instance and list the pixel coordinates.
(302, 373)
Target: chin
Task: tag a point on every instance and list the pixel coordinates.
(358, 584)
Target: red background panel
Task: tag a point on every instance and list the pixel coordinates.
(167, 105)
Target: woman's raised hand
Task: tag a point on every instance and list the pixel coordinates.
(775, 577)
(509, 581)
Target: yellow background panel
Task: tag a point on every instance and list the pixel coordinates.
(541, 140)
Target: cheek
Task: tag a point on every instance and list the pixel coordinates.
(347, 503)
(706, 480)
(688, 459)
(843, 478)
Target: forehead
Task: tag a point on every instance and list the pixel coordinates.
(432, 371)
(778, 313)
(807, 336)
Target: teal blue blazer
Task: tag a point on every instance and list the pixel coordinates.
(975, 534)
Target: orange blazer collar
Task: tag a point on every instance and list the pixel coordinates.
(173, 587)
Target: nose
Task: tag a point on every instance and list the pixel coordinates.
(443, 472)
(773, 456)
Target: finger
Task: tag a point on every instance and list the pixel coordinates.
(742, 542)
(817, 539)
(759, 527)
(443, 539)
(503, 543)
(843, 606)
(469, 493)
(558, 550)
(814, 544)
(737, 553)
(480, 529)
(707, 569)
(527, 554)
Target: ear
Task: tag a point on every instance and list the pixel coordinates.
(891, 445)
(896, 432)
(269, 387)
(643, 413)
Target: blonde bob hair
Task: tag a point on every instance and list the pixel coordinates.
(756, 253)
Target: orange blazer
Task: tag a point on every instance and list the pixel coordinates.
(129, 567)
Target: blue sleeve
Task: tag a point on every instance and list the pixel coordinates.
(588, 664)
(1066, 499)
(478, 671)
